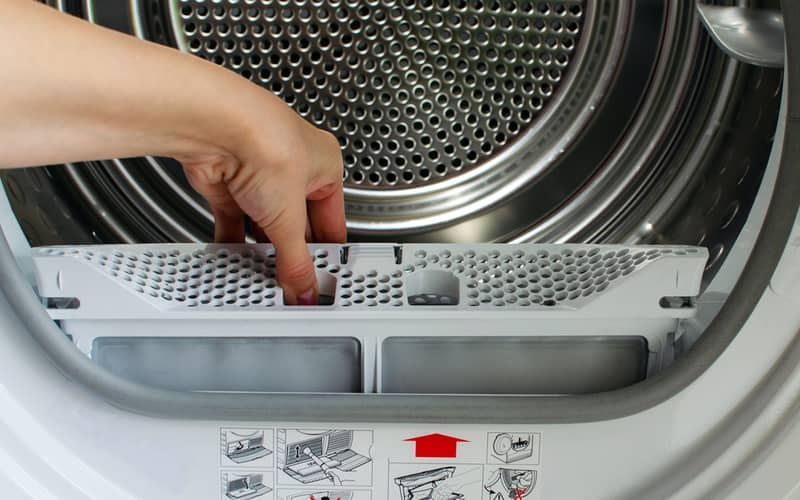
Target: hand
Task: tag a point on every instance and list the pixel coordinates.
(110, 95)
(291, 197)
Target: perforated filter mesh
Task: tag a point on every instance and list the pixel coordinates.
(371, 289)
(545, 278)
(415, 91)
(198, 278)
(245, 277)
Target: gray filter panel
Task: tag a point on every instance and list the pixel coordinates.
(235, 364)
(512, 365)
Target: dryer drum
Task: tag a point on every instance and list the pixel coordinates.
(459, 121)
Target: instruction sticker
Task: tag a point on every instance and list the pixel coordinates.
(385, 463)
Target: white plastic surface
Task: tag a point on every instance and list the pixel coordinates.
(240, 280)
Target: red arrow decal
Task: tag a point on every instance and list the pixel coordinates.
(436, 446)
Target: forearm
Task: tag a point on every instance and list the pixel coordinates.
(70, 91)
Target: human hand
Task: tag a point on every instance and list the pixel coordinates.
(292, 193)
(110, 95)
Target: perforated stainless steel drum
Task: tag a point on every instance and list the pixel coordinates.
(434, 103)
(459, 120)
(417, 97)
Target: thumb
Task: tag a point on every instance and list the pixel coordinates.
(295, 266)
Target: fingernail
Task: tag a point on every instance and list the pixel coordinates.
(306, 298)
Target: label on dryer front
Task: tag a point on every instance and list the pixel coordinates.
(386, 462)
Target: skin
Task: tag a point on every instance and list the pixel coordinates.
(71, 91)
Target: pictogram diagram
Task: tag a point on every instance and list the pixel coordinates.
(435, 482)
(247, 447)
(505, 483)
(336, 457)
(245, 485)
(514, 448)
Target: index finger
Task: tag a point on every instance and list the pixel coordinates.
(327, 217)
(295, 266)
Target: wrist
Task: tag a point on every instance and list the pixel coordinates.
(231, 115)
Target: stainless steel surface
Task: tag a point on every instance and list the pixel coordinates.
(510, 194)
(750, 35)
(434, 104)
(415, 96)
(651, 134)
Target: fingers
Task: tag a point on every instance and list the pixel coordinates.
(326, 215)
(295, 266)
(258, 234)
(228, 216)
(228, 224)
(308, 233)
